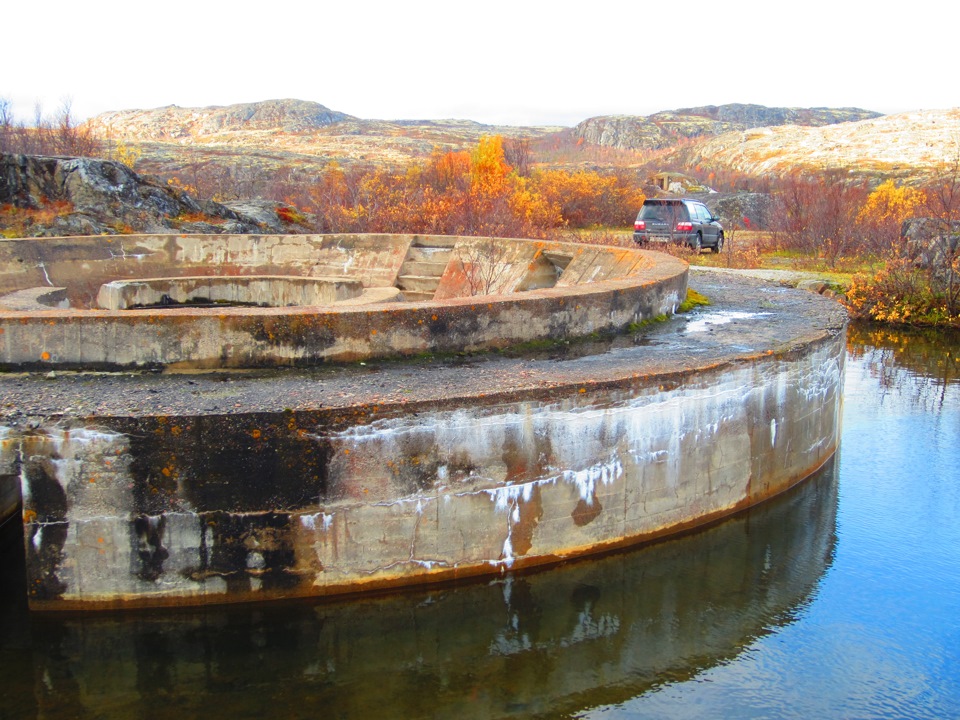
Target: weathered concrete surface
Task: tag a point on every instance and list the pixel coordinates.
(148, 490)
(600, 290)
(83, 264)
(261, 290)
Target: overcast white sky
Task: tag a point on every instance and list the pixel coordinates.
(497, 61)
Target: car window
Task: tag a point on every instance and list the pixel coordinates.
(662, 212)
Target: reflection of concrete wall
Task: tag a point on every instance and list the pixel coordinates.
(600, 290)
(220, 508)
(9, 475)
(547, 644)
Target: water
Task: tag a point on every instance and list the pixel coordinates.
(840, 599)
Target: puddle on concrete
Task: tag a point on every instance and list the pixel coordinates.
(701, 324)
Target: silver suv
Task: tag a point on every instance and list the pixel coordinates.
(668, 220)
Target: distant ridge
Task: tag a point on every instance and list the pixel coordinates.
(664, 129)
(265, 137)
(171, 122)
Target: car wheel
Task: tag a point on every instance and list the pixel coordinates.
(698, 243)
(719, 246)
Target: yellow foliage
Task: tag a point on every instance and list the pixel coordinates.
(890, 204)
(532, 206)
(471, 193)
(127, 154)
(489, 167)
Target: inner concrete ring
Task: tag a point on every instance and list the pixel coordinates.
(300, 300)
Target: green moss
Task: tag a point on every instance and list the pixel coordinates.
(693, 300)
(637, 327)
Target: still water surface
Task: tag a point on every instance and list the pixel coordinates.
(840, 599)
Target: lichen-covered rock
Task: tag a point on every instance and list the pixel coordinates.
(53, 196)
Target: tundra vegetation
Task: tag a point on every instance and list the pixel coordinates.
(893, 247)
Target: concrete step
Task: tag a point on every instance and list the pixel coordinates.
(417, 267)
(419, 283)
(429, 254)
(435, 242)
(415, 296)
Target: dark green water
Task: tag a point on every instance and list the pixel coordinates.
(840, 599)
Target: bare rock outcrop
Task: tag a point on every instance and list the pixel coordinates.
(52, 196)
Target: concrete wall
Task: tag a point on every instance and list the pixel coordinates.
(188, 510)
(601, 289)
(83, 264)
(260, 290)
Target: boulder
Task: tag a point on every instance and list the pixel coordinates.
(931, 243)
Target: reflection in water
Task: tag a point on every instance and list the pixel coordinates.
(882, 637)
(913, 367)
(592, 632)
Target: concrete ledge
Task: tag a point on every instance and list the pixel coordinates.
(35, 298)
(259, 290)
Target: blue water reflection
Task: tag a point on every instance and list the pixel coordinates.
(881, 637)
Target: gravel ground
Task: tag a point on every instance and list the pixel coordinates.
(747, 317)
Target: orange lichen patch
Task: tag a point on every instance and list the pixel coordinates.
(255, 434)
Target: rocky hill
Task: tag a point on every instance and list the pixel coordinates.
(173, 123)
(906, 145)
(665, 129)
(276, 133)
(52, 196)
(262, 138)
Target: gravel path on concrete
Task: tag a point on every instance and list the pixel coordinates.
(747, 317)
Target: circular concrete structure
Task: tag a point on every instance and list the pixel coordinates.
(144, 488)
(77, 303)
